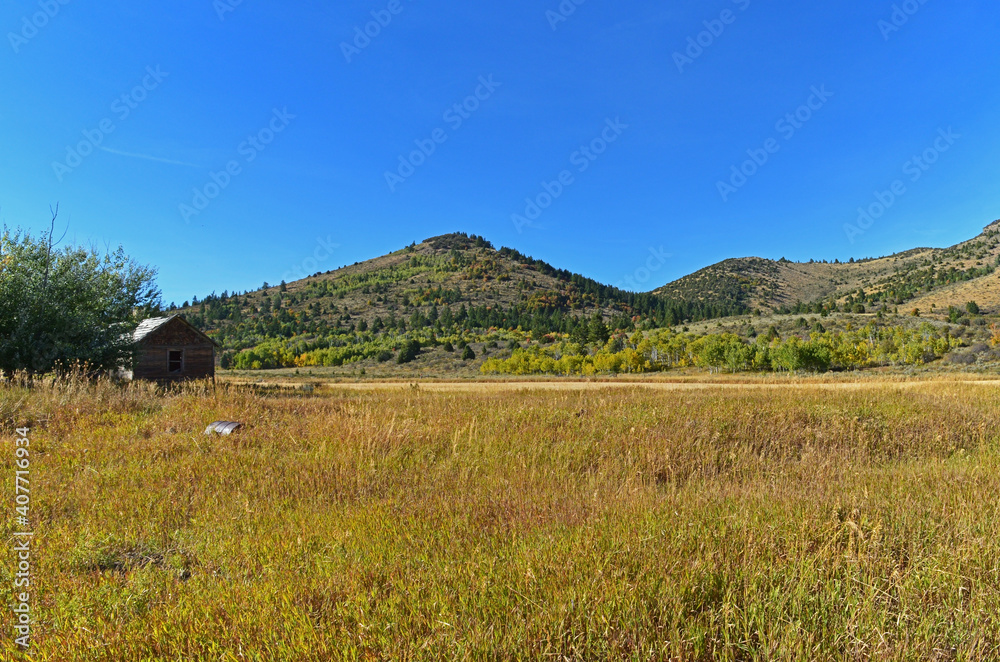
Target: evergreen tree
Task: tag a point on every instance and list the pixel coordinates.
(597, 331)
(409, 351)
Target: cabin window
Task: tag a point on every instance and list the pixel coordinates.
(175, 360)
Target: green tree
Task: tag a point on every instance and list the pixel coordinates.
(738, 355)
(409, 351)
(597, 331)
(468, 354)
(788, 355)
(60, 306)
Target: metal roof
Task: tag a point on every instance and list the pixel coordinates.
(148, 326)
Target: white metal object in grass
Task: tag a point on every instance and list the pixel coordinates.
(223, 427)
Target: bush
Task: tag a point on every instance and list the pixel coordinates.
(468, 354)
(226, 359)
(383, 356)
(960, 358)
(410, 351)
(448, 346)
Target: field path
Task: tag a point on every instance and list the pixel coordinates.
(480, 387)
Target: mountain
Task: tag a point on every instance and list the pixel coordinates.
(446, 281)
(919, 278)
(453, 282)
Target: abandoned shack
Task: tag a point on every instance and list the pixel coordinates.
(169, 349)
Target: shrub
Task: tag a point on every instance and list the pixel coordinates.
(409, 351)
(961, 358)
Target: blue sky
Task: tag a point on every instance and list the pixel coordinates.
(231, 143)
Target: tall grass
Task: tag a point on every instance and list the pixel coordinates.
(760, 524)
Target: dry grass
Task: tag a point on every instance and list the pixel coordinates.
(983, 291)
(734, 524)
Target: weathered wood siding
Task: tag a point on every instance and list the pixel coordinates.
(151, 362)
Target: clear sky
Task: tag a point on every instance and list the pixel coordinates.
(623, 121)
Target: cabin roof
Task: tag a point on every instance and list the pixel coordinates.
(148, 326)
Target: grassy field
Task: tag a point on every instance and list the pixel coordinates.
(778, 522)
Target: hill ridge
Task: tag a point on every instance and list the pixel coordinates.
(456, 280)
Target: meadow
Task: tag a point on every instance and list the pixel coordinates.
(788, 521)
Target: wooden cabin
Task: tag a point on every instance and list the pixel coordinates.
(170, 349)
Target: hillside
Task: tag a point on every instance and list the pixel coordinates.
(446, 279)
(922, 278)
(457, 290)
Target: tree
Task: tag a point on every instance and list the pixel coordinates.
(972, 307)
(409, 351)
(788, 355)
(69, 305)
(468, 354)
(598, 332)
